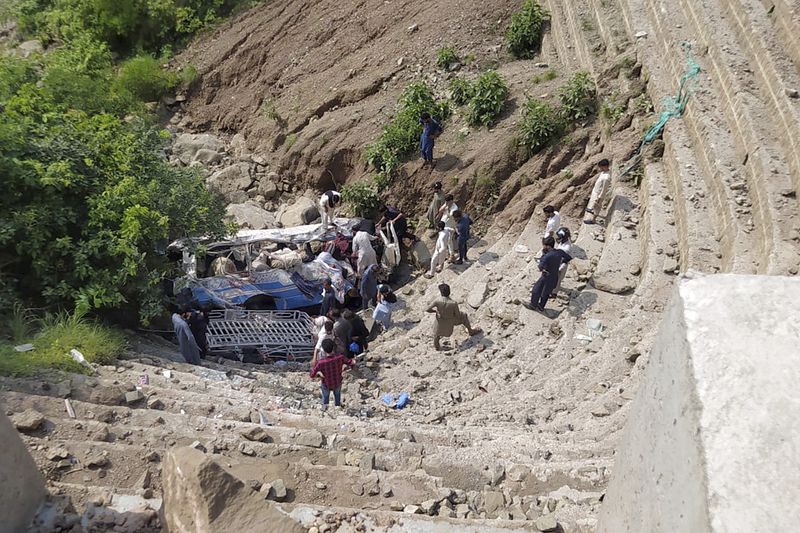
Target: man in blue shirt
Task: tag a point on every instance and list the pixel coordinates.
(328, 298)
(548, 265)
(463, 222)
(430, 130)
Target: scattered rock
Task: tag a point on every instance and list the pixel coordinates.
(57, 454)
(247, 450)
(412, 509)
(670, 265)
(367, 463)
(792, 93)
(248, 215)
(518, 473)
(133, 397)
(276, 490)
(429, 507)
(152, 457)
(155, 403)
(546, 523)
(96, 461)
(493, 502)
(498, 473)
(478, 294)
(231, 182)
(303, 211)
(256, 434)
(197, 445)
(312, 438)
(187, 146)
(320, 485)
(28, 420)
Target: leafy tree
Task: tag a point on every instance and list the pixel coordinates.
(89, 199)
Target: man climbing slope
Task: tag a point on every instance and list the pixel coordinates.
(549, 266)
(599, 192)
(430, 130)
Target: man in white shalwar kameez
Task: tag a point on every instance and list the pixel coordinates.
(599, 192)
(441, 251)
(364, 252)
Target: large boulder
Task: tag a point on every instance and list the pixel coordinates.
(187, 146)
(23, 486)
(303, 211)
(199, 495)
(248, 215)
(232, 182)
(268, 186)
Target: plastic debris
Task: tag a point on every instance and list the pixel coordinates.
(144, 379)
(522, 249)
(23, 348)
(70, 410)
(166, 373)
(80, 359)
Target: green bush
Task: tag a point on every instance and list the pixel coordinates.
(524, 35)
(401, 136)
(578, 97)
(58, 334)
(461, 91)
(540, 125)
(446, 56)
(144, 78)
(488, 98)
(362, 197)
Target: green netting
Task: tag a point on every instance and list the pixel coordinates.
(671, 106)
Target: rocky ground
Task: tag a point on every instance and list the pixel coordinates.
(514, 429)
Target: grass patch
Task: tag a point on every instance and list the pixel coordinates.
(612, 109)
(290, 140)
(547, 75)
(489, 96)
(524, 34)
(446, 56)
(57, 335)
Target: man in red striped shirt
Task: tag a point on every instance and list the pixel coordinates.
(329, 369)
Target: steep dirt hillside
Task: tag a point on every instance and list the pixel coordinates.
(310, 84)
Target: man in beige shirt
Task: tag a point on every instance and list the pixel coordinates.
(448, 316)
(599, 192)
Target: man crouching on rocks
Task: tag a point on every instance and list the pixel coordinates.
(448, 316)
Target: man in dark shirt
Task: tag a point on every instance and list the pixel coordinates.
(329, 369)
(430, 130)
(548, 266)
(328, 298)
(463, 222)
(342, 332)
(359, 332)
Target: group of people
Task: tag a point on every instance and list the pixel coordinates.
(557, 242)
(452, 227)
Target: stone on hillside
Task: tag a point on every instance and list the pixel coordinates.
(478, 294)
(412, 509)
(187, 146)
(670, 265)
(231, 182)
(197, 445)
(256, 434)
(247, 450)
(133, 397)
(101, 395)
(239, 147)
(267, 187)
(248, 215)
(57, 454)
(207, 157)
(199, 495)
(493, 501)
(367, 463)
(518, 473)
(27, 48)
(27, 420)
(429, 507)
(155, 403)
(498, 473)
(312, 438)
(275, 490)
(546, 523)
(462, 510)
(303, 211)
(96, 461)
(402, 435)
(152, 457)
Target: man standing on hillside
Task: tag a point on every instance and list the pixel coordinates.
(448, 316)
(430, 130)
(549, 265)
(599, 192)
(186, 342)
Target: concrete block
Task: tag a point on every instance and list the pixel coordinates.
(712, 440)
(21, 484)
